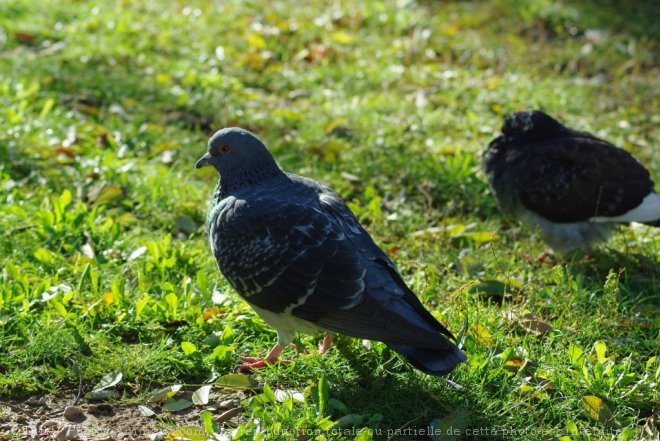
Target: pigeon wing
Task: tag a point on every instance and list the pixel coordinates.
(389, 311)
(280, 255)
(576, 178)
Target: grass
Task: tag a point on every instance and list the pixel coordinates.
(106, 106)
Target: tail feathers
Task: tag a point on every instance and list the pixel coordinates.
(431, 361)
(648, 212)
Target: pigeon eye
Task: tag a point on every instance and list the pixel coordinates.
(224, 149)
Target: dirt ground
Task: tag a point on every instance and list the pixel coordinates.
(60, 418)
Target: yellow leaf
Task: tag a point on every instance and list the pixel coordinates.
(126, 219)
(596, 408)
(108, 297)
(449, 31)
(163, 79)
(482, 336)
(255, 60)
(105, 193)
(209, 313)
(341, 37)
(527, 389)
(165, 393)
(256, 41)
(515, 364)
(334, 124)
(87, 109)
(600, 348)
(455, 230)
(483, 237)
(492, 84)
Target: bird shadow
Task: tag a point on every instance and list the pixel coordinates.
(637, 275)
(403, 403)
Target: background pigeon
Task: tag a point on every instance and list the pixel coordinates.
(572, 185)
(294, 251)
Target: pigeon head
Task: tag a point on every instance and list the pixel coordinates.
(234, 150)
(530, 124)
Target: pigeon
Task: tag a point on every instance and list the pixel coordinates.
(294, 251)
(570, 184)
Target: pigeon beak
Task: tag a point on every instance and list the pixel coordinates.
(204, 161)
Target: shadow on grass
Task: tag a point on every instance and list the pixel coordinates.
(402, 407)
(638, 274)
(637, 17)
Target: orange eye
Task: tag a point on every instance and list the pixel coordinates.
(224, 149)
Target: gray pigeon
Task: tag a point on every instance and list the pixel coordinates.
(295, 252)
(571, 185)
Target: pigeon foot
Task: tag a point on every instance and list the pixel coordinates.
(270, 359)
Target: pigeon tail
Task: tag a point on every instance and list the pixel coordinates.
(431, 361)
(647, 212)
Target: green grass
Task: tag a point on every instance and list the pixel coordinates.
(105, 106)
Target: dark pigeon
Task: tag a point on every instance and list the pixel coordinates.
(295, 252)
(573, 186)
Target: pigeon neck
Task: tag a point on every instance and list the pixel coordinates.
(247, 176)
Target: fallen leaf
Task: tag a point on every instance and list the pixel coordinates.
(596, 408)
(137, 253)
(283, 395)
(532, 324)
(87, 109)
(527, 389)
(24, 37)
(145, 411)
(201, 396)
(481, 335)
(108, 381)
(483, 237)
(350, 178)
(165, 393)
(256, 41)
(516, 364)
(341, 37)
(176, 405)
(64, 151)
(105, 194)
(228, 415)
(88, 251)
(209, 313)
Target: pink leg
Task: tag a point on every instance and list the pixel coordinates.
(271, 358)
(256, 363)
(325, 345)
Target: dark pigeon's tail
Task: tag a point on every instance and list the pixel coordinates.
(431, 361)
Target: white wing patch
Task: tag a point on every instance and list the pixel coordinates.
(647, 211)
